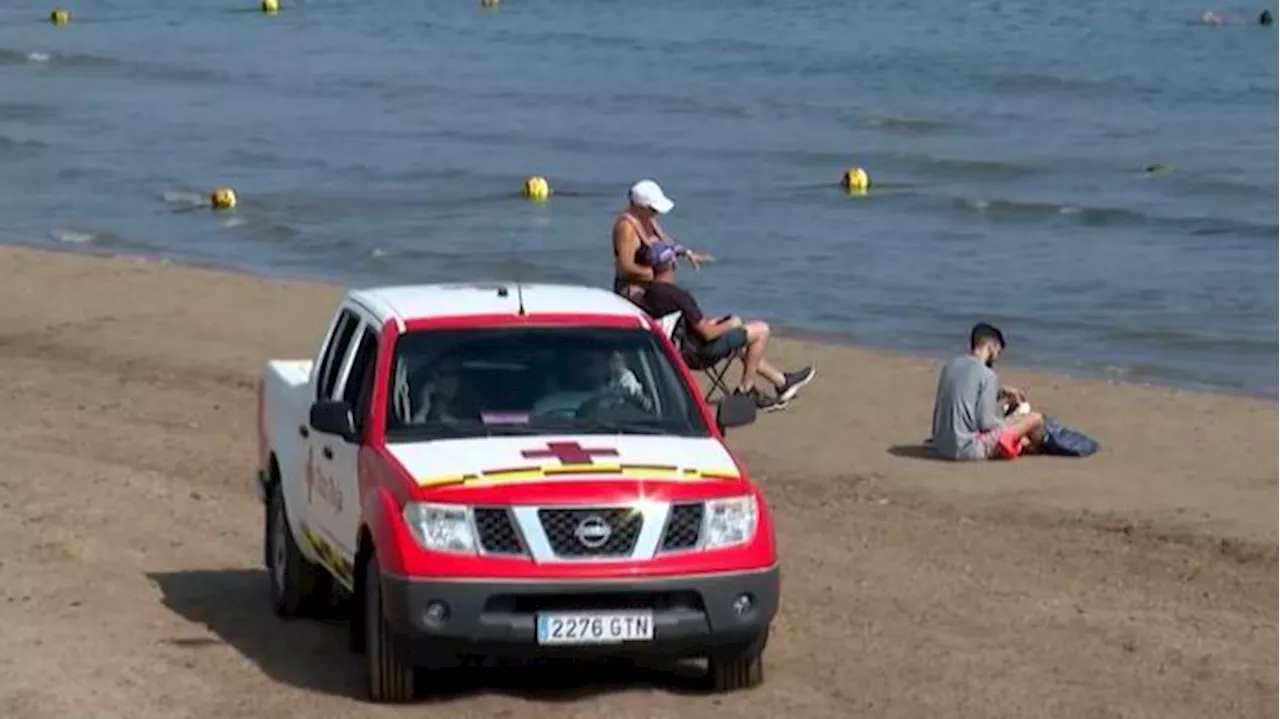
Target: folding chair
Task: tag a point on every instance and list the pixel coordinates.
(690, 347)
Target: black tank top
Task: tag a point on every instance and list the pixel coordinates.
(641, 256)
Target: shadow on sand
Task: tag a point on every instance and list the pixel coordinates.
(919, 450)
(312, 653)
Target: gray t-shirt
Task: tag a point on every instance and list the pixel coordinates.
(965, 404)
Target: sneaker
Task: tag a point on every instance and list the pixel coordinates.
(763, 402)
(793, 381)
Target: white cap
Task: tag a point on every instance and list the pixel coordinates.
(648, 193)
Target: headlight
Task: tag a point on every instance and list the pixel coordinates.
(730, 521)
(441, 527)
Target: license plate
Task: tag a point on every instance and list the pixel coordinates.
(595, 627)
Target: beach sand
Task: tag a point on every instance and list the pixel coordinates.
(1140, 582)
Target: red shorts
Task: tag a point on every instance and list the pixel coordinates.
(1000, 444)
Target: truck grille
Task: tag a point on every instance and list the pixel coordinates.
(684, 524)
(592, 532)
(497, 531)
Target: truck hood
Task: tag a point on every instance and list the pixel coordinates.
(489, 461)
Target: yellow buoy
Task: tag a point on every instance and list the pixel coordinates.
(855, 179)
(537, 188)
(59, 17)
(271, 7)
(223, 198)
(490, 3)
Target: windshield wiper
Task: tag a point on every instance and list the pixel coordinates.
(621, 427)
(464, 428)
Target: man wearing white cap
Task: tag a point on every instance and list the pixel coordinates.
(635, 231)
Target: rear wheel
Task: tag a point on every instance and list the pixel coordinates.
(297, 585)
(743, 669)
(390, 678)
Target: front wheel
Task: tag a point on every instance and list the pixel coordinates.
(297, 585)
(390, 678)
(743, 669)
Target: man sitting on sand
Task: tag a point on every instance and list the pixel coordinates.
(720, 337)
(967, 421)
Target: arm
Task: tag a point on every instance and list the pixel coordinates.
(988, 412)
(710, 329)
(1012, 394)
(705, 327)
(694, 258)
(625, 244)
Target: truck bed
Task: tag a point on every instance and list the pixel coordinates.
(289, 372)
(286, 404)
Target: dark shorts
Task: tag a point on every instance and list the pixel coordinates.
(724, 345)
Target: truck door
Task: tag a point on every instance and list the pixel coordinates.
(333, 490)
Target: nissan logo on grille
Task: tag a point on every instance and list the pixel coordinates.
(593, 532)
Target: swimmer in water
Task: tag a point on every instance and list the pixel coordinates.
(635, 231)
(1265, 19)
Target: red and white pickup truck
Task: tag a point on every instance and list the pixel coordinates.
(490, 470)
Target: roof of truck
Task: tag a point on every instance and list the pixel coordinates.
(406, 303)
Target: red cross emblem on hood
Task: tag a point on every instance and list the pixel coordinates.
(568, 453)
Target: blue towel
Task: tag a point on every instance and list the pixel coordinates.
(1067, 442)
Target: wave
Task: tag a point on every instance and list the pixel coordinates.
(1024, 80)
(1002, 209)
(907, 125)
(86, 238)
(183, 74)
(185, 199)
(26, 111)
(72, 237)
(1183, 341)
(1009, 210)
(21, 57)
(966, 168)
(715, 46)
(10, 146)
(1219, 186)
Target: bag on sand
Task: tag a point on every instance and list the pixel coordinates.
(1067, 442)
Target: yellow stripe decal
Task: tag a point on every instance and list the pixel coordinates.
(329, 556)
(533, 474)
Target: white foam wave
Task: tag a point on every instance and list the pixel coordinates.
(73, 237)
(178, 197)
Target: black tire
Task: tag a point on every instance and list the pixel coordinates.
(298, 587)
(739, 670)
(389, 678)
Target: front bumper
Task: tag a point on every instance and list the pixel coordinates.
(693, 616)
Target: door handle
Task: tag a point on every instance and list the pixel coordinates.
(328, 453)
(302, 430)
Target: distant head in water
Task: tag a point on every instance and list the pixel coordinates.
(1265, 18)
(1210, 18)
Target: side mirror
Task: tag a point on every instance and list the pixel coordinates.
(334, 417)
(735, 410)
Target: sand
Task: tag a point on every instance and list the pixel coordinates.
(1140, 582)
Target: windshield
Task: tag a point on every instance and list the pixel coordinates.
(536, 380)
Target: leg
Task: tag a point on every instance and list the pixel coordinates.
(753, 362)
(786, 384)
(737, 340)
(771, 373)
(1020, 434)
(1033, 440)
(1017, 435)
